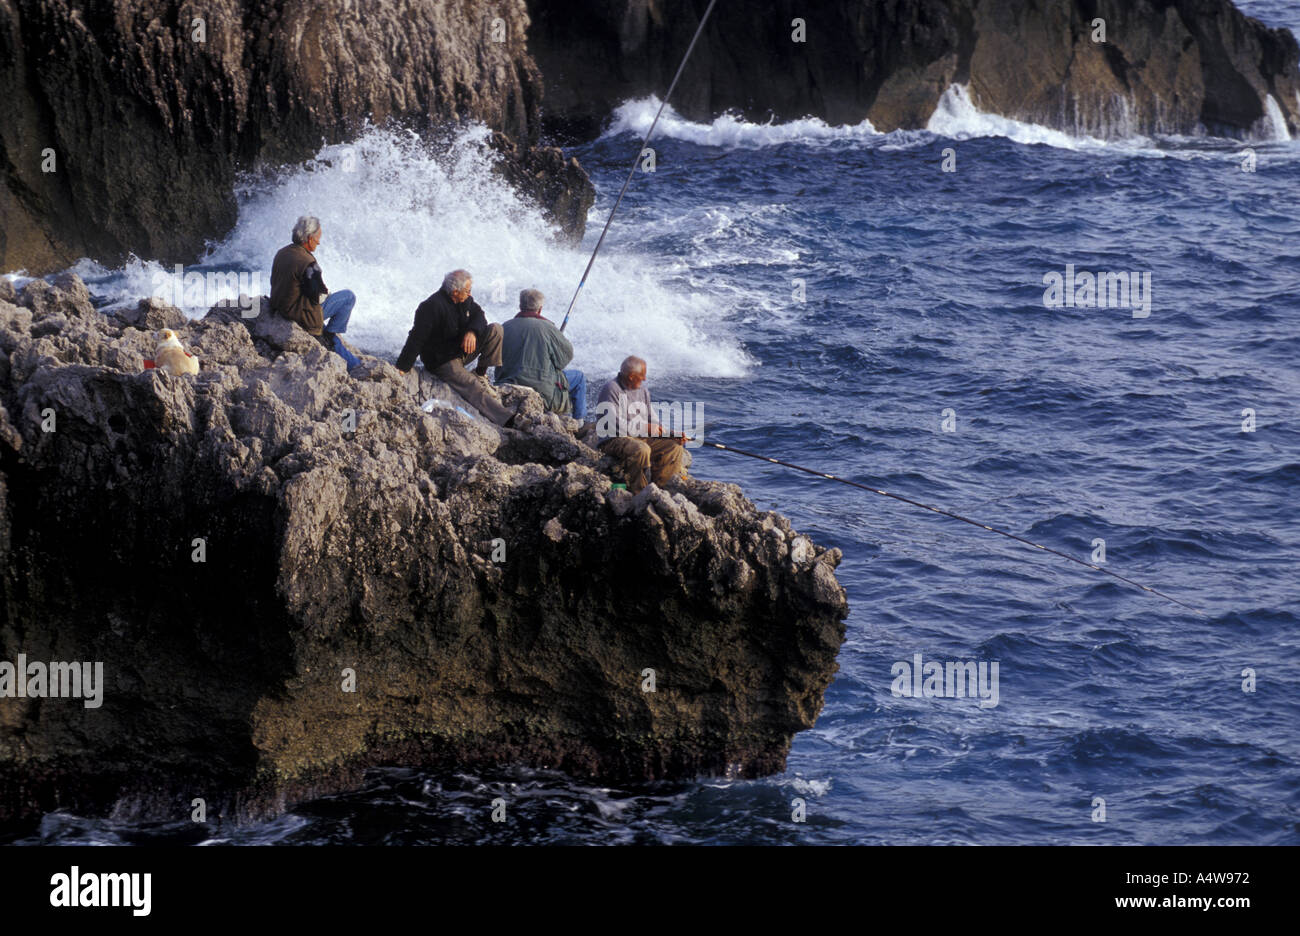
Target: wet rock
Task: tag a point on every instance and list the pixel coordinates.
(151, 315)
(241, 546)
(1183, 67)
(148, 127)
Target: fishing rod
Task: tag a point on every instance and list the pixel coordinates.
(631, 172)
(946, 513)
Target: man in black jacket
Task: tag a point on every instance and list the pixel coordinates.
(451, 330)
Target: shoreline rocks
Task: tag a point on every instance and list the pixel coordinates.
(1182, 67)
(484, 592)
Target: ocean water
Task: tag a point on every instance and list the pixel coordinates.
(834, 298)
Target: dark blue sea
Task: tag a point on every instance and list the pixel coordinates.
(833, 297)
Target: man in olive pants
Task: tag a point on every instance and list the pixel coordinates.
(628, 434)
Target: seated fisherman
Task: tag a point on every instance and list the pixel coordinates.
(629, 435)
(533, 354)
(297, 289)
(450, 331)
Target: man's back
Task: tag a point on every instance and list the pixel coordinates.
(533, 353)
(287, 298)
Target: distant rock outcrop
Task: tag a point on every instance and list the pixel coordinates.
(1166, 66)
(242, 548)
(123, 123)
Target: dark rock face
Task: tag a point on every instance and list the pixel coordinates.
(344, 529)
(1167, 66)
(148, 125)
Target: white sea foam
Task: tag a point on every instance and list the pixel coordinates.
(396, 216)
(729, 130)
(1276, 122)
(956, 116)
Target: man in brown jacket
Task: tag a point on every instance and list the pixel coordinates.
(297, 289)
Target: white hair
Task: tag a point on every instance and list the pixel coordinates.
(631, 365)
(305, 228)
(455, 281)
(530, 299)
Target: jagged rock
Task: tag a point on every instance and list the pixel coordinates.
(147, 119)
(1184, 66)
(493, 598)
(152, 315)
(558, 184)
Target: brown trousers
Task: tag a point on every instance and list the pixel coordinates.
(634, 456)
(453, 372)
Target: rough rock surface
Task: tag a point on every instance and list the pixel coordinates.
(344, 529)
(147, 125)
(1168, 66)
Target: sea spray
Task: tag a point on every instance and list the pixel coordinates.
(729, 130)
(397, 213)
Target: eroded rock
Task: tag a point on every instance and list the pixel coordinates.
(231, 545)
(147, 123)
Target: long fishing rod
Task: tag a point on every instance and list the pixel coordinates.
(631, 172)
(946, 513)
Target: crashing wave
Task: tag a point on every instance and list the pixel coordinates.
(729, 130)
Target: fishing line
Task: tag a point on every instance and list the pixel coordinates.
(631, 172)
(955, 516)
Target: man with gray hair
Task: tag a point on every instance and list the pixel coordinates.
(628, 434)
(533, 354)
(450, 331)
(297, 289)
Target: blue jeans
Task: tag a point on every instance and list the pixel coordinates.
(337, 310)
(577, 392)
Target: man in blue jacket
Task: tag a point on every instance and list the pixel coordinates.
(450, 331)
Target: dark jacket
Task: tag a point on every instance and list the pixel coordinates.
(440, 326)
(296, 288)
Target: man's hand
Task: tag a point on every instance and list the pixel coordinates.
(468, 343)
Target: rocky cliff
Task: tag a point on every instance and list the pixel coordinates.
(1165, 66)
(123, 123)
(290, 574)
